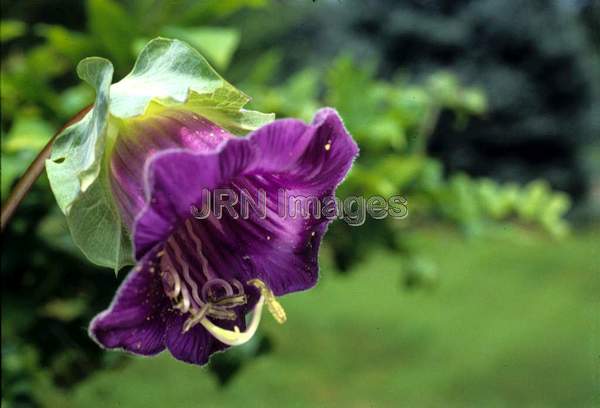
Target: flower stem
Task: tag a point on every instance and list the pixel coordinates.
(32, 173)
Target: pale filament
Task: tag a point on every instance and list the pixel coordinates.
(173, 279)
(185, 300)
(235, 337)
(186, 270)
(224, 284)
(205, 269)
(216, 299)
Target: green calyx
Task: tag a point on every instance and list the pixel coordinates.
(168, 73)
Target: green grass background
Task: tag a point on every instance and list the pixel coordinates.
(513, 321)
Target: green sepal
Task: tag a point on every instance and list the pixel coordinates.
(171, 72)
(167, 73)
(80, 182)
(76, 154)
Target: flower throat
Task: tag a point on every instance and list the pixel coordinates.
(216, 298)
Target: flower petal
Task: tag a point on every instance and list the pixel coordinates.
(196, 345)
(307, 161)
(317, 159)
(175, 180)
(136, 319)
(313, 157)
(140, 139)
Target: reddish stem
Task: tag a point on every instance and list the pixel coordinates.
(32, 173)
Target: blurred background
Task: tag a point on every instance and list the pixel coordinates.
(484, 114)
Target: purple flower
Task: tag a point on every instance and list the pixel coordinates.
(196, 279)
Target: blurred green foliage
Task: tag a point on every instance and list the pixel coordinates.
(392, 121)
(533, 59)
(44, 342)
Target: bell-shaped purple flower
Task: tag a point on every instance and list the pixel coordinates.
(197, 278)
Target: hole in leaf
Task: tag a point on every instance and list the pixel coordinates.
(59, 160)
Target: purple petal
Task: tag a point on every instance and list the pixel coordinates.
(305, 160)
(136, 319)
(281, 251)
(314, 158)
(194, 346)
(141, 139)
(201, 248)
(175, 180)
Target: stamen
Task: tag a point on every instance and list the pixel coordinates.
(206, 289)
(186, 270)
(235, 337)
(185, 300)
(215, 298)
(192, 321)
(238, 285)
(172, 281)
(231, 301)
(198, 243)
(222, 314)
(273, 305)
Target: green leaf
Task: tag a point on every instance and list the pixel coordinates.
(445, 87)
(64, 309)
(53, 230)
(73, 98)
(265, 68)
(113, 28)
(474, 101)
(72, 44)
(214, 9)
(10, 29)
(12, 167)
(218, 44)
(27, 133)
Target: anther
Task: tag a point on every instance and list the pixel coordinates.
(231, 301)
(273, 305)
(222, 314)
